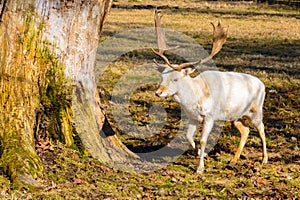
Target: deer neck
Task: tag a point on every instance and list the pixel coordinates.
(190, 98)
(187, 93)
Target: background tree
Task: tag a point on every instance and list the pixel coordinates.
(48, 92)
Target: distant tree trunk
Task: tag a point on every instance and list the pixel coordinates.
(47, 86)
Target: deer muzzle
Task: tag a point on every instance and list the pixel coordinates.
(161, 91)
(158, 93)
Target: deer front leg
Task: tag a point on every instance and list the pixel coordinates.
(192, 128)
(207, 126)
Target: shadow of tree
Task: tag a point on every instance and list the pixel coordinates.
(173, 9)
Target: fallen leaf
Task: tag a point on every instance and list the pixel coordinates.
(53, 186)
(279, 170)
(251, 193)
(291, 96)
(77, 181)
(45, 145)
(286, 175)
(294, 139)
(262, 181)
(173, 179)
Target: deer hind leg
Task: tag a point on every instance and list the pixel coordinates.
(261, 130)
(244, 135)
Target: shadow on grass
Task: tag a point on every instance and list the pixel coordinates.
(290, 72)
(273, 55)
(268, 46)
(204, 10)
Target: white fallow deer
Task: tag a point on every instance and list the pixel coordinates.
(212, 95)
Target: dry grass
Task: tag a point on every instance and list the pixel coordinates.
(244, 21)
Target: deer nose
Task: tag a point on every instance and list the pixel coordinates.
(158, 93)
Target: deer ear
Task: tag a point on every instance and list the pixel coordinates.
(160, 68)
(187, 71)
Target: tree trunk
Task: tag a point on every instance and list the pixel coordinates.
(48, 91)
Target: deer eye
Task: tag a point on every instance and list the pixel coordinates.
(175, 79)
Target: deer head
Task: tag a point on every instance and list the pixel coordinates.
(176, 75)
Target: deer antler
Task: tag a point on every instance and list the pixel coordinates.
(219, 38)
(160, 33)
(161, 40)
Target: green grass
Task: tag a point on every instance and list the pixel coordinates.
(263, 41)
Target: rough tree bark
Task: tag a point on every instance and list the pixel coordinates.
(47, 86)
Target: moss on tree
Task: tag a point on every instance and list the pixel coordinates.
(35, 98)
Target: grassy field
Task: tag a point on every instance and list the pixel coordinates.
(262, 41)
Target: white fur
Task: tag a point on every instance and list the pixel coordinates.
(214, 95)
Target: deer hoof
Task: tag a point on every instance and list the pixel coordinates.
(193, 145)
(200, 170)
(232, 163)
